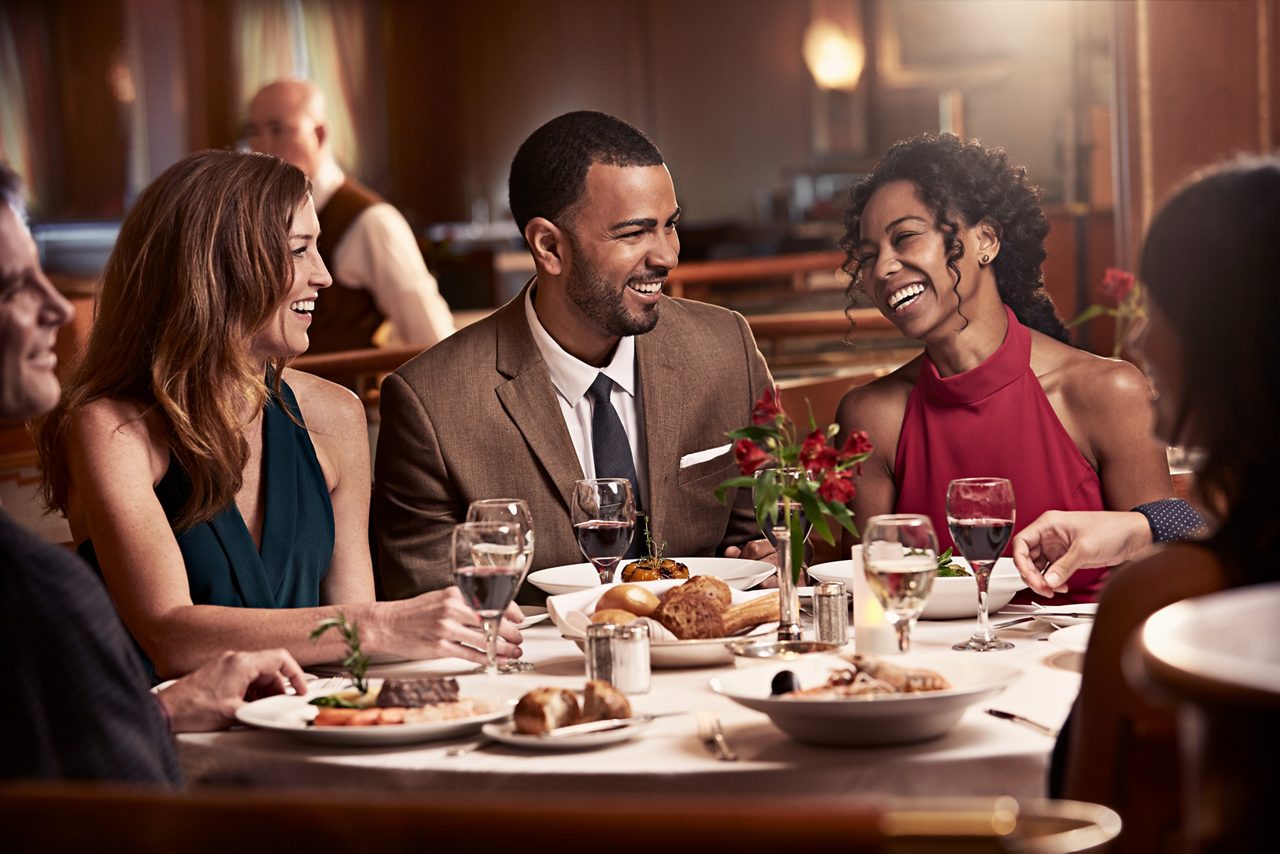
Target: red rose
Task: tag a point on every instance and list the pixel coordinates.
(767, 408)
(815, 454)
(749, 456)
(838, 487)
(856, 444)
(1116, 284)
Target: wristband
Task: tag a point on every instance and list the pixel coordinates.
(1172, 520)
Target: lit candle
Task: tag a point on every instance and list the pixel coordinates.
(872, 634)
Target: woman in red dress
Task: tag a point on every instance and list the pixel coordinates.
(946, 237)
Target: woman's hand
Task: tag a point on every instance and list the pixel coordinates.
(440, 624)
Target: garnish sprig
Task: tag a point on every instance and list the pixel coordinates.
(356, 662)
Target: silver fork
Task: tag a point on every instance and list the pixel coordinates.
(712, 735)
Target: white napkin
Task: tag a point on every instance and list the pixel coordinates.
(571, 612)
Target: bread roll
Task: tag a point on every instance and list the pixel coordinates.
(617, 616)
(706, 585)
(543, 709)
(628, 597)
(746, 615)
(601, 701)
(691, 617)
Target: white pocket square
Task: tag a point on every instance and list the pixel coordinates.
(702, 456)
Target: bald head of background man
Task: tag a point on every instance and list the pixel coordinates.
(287, 119)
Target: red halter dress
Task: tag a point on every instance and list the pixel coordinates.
(994, 421)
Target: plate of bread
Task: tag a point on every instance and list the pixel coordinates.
(738, 573)
(861, 701)
(690, 622)
(551, 719)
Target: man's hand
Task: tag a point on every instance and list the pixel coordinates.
(1054, 546)
(207, 698)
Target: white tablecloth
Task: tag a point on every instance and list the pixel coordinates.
(981, 756)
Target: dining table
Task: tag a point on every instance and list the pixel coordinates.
(982, 755)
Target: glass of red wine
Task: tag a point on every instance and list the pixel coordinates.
(488, 565)
(980, 516)
(604, 519)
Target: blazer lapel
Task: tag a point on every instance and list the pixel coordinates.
(526, 396)
(664, 414)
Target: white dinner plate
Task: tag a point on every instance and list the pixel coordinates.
(1073, 638)
(292, 715)
(868, 721)
(736, 572)
(504, 732)
(951, 598)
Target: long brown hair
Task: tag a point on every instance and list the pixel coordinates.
(200, 266)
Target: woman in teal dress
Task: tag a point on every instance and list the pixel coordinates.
(223, 496)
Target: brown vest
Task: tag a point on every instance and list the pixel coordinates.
(345, 318)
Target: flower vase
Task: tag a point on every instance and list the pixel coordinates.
(788, 601)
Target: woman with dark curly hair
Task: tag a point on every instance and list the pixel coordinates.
(947, 238)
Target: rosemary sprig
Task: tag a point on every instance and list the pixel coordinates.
(356, 662)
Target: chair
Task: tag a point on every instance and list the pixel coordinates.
(1218, 656)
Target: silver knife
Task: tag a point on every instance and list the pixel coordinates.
(606, 725)
(1035, 725)
(1049, 616)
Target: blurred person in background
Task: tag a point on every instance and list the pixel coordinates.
(368, 247)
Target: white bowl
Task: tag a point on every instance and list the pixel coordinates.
(868, 721)
(951, 598)
(736, 572)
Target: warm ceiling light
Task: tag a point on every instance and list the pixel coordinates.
(835, 60)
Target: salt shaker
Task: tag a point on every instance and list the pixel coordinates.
(831, 612)
(619, 655)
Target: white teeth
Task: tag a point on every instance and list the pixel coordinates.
(303, 305)
(908, 294)
(646, 287)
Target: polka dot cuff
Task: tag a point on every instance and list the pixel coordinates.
(1172, 520)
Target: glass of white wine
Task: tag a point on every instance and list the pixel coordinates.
(513, 511)
(900, 558)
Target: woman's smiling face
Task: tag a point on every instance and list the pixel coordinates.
(902, 260)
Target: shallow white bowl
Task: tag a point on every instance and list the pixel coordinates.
(868, 721)
(951, 598)
(736, 572)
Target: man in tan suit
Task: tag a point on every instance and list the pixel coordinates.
(510, 406)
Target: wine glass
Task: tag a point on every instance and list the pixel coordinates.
(516, 512)
(604, 520)
(900, 559)
(980, 516)
(488, 564)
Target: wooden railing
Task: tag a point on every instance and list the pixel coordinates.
(700, 277)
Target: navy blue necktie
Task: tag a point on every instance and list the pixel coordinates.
(610, 448)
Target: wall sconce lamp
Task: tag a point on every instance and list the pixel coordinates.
(834, 58)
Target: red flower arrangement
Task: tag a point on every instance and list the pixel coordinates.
(784, 471)
(1128, 305)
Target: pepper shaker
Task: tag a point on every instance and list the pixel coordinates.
(619, 655)
(831, 612)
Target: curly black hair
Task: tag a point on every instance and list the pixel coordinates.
(969, 182)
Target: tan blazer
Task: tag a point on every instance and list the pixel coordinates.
(476, 417)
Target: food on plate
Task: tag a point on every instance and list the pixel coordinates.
(691, 617)
(784, 682)
(867, 677)
(752, 613)
(654, 569)
(601, 702)
(705, 585)
(397, 701)
(948, 568)
(628, 597)
(616, 616)
(544, 709)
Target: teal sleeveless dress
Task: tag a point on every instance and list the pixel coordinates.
(223, 565)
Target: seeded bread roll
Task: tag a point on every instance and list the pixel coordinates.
(708, 586)
(691, 617)
(601, 702)
(543, 709)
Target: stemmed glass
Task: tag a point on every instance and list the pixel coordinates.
(900, 558)
(604, 520)
(488, 564)
(980, 514)
(513, 511)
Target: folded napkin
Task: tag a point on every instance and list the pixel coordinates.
(571, 612)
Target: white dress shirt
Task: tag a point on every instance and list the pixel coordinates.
(572, 377)
(379, 254)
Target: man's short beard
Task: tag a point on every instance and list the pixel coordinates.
(602, 303)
